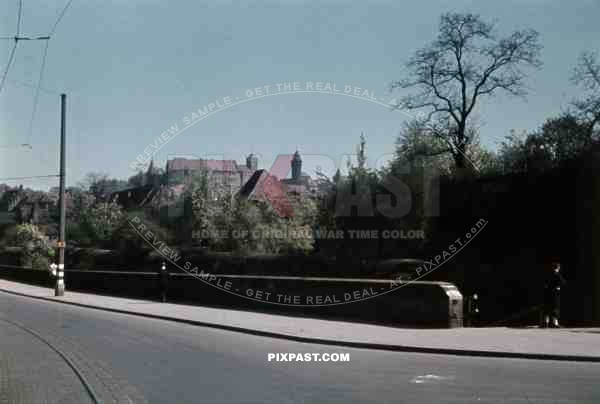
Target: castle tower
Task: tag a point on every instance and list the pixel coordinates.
(296, 166)
(252, 162)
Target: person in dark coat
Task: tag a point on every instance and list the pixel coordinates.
(552, 297)
(164, 282)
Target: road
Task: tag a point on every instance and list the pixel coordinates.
(133, 359)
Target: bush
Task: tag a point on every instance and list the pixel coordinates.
(35, 247)
(40, 263)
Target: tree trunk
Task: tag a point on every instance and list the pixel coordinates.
(464, 168)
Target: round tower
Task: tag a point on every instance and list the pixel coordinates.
(252, 162)
(296, 166)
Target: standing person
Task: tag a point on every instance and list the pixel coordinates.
(473, 310)
(164, 282)
(552, 297)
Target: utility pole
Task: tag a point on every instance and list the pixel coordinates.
(59, 289)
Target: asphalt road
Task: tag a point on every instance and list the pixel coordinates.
(132, 359)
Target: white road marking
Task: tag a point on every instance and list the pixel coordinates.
(429, 379)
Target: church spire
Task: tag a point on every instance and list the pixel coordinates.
(149, 173)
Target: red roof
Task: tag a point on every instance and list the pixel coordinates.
(268, 189)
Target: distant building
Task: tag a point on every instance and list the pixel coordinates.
(265, 187)
(220, 172)
(300, 183)
(140, 196)
(252, 162)
(245, 181)
(136, 197)
(25, 206)
(160, 197)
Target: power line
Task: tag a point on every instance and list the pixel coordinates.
(26, 145)
(36, 97)
(28, 178)
(14, 48)
(42, 68)
(34, 86)
(18, 38)
(19, 18)
(64, 10)
(25, 38)
(10, 60)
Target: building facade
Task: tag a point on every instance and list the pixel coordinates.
(220, 173)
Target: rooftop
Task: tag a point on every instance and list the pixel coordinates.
(230, 166)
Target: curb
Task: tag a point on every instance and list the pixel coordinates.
(322, 341)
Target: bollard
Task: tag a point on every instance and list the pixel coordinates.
(53, 268)
(59, 289)
(473, 309)
(164, 281)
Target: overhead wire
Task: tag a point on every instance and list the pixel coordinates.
(10, 60)
(38, 88)
(42, 69)
(28, 177)
(36, 96)
(14, 48)
(19, 15)
(62, 14)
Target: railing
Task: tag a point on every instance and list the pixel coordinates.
(418, 303)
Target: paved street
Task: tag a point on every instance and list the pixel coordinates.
(134, 359)
(31, 372)
(499, 341)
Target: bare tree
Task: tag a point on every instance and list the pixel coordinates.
(466, 61)
(587, 76)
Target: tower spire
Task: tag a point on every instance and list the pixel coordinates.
(150, 172)
(296, 166)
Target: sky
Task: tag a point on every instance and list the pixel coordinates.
(132, 70)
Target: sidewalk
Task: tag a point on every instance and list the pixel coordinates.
(528, 343)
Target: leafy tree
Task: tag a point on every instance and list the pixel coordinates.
(587, 76)
(36, 249)
(416, 146)
(130, 243)
(558, 140)
(248, 226)
(103, 218)
(467, 61)
(513, 153)
(354, 204)
(91, 221)
(565, 137)
(101, 186)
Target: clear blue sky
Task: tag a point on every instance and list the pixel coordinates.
(132, 69)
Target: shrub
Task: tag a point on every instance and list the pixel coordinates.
(36, 248)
